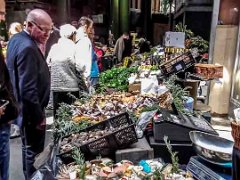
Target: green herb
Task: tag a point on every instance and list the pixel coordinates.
(150, 108)
(178, 94)
(115, 78)
(157, 174)
(132, 116)
(64, 125)
(79, 159)
(174, 158)
(193, 41)
(183, 28)
(199, 43)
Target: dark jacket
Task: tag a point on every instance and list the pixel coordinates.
(119, 48)
(6, 93)
(30, 78)
(122, 48)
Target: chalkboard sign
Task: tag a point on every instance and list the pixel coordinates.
(177, 64)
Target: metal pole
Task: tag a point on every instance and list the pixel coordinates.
(115, 18)
(124, 16)
(139, 4)
(170, 15)
(134, 4)
(146, 15)
(62, 11)
(215, 14)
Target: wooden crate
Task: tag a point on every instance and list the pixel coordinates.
(134, 88)
(209, 71)
(236, 134)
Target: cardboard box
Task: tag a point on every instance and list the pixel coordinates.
(209, 71)
(136, 87)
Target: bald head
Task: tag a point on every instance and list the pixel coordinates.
(39, 25)
(39, 16)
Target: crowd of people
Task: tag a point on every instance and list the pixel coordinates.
(40, 60)
(29, 75)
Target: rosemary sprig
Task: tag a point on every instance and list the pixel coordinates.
(174, 158)
(64, 125)
(79, 159)
(178, 94)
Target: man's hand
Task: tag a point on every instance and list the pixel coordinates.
(41, 126)
(2, 111)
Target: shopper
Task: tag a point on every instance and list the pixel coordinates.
(7, 113)
(123, 47)
(94, 75)
(53, 39)
(31, 83)
(63, 72)
(14, 28)
(84, 48)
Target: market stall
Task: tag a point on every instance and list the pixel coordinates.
(133, 126)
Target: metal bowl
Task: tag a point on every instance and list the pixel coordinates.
(212, 148)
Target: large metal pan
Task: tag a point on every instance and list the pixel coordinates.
(212, 148)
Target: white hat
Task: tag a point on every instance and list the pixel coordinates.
(67, 30)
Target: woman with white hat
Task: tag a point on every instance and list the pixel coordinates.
(64, 79)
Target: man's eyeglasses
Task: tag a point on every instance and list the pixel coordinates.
(41, 29)
(2, 13)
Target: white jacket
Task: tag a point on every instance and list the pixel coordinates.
(83, 52)
(62, 63)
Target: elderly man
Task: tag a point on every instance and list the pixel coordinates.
(30, 77)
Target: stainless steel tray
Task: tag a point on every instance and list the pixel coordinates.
(212, 148)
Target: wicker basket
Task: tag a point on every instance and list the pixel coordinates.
(236, 134)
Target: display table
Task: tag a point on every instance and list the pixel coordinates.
(136, 152)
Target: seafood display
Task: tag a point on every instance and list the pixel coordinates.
(68, 171)
(101, 107)
(111, 134)
(105, 169)
(79, 139)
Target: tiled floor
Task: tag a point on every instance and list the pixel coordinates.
(222, 126)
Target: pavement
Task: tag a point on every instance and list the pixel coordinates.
(221, 125)
(15, 169)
